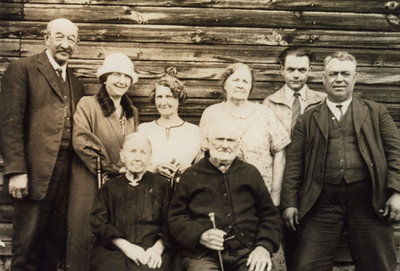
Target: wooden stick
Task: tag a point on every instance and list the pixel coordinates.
(212, 219)
(98, 171)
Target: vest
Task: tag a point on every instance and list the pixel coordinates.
(343, 160)
(67, 128)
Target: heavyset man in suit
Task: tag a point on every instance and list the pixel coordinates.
(37, 99)
(343, 172)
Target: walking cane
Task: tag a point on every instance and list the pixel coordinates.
(98, 171)
(212, 219)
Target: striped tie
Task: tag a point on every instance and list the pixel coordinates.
(296, 109)
(340, 107)
(59, 73)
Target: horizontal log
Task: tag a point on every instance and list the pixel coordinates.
(211, 35)
(86, 69)
(206, 53)
(6, 231)
(215, 17)
(11, 11)
(4, 252)
(10, 47)
(6, 212)
(338, 5)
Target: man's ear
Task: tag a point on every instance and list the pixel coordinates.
(282, 69)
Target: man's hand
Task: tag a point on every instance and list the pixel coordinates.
(291, 217)
(259, 259)
(213, 239)
(392, 207)
(154, 255)
(134, 252)
(18, 186)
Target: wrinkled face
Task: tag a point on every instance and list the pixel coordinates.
(238, 85)
(62, 40)
(223, 142)
(295, 71)
(339, 80)
(165, 101)
(117, 84)
(135, 155)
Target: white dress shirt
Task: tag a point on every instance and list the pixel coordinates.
(289, 93)
(335, 110)
(56, 66)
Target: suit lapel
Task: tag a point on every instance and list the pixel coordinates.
(359, 114)
(321, 118)
(48, 72)
(74, 86)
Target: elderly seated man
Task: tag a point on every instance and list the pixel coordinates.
(248, 227)
(128, 216)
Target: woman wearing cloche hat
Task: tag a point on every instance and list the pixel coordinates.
(100, 125)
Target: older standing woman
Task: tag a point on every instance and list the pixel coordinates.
(175, 142)
(263, 138)
(100, 125)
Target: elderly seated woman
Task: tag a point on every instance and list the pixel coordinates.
(128, 217)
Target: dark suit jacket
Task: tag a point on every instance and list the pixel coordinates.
(32, 119)
(378, 141)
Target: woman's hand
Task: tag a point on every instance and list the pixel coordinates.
(154, 255)
(169, 170)
(134, 252)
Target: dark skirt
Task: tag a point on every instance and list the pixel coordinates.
(104, 259)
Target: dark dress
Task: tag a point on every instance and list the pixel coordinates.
(134, 213)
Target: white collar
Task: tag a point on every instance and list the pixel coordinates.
(335, 110)
(132, 180)
(289, 93)
(345, 104)
(57, 66)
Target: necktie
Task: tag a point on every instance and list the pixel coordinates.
(296, 109)
(340, 107)
(59, 73)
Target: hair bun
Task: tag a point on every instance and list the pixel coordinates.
(171, 71)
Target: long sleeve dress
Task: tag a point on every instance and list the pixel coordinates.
(135, 213)
(94, 135)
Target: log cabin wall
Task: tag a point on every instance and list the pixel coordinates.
(201, 37)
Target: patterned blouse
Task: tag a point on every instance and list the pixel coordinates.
(262, 135)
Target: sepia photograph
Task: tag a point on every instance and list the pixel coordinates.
(199, 135)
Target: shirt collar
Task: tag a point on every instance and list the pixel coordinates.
(289, 93)
(333, 105)
(54, 64)
(133, 180)
(335, 110)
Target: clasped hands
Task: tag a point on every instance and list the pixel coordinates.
(150, 257)
(169, 170)
(258, 260)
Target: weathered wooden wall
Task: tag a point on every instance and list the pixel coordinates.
(200, 37)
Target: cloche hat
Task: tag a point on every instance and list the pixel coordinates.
(118, 62)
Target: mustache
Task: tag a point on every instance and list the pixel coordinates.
(61, 50)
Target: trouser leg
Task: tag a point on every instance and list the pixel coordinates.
(39, 226)
(319, 232)
(289, 245)
(371, 239)
(206, 263)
